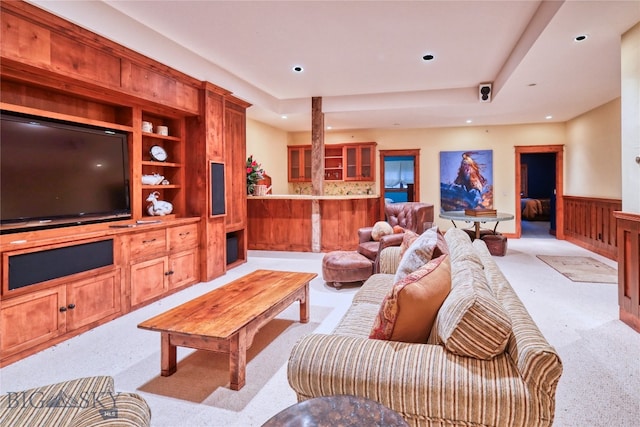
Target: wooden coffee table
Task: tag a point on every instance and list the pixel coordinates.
(226, 319)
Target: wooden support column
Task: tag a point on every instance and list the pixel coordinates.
(317, 146)
(317, 169)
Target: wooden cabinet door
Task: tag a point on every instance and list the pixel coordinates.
(367, 159)
(299, 163)
(183, 267)
(148, 280)
(235, 167)
(32, 319)
(351, 155)
(359, 162)
(93, 299)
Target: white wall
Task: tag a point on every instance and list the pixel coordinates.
(268, 146)
(631, 120)
(500, 139)
(592, 153)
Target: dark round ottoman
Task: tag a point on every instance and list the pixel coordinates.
(340, 267)
(340, 410)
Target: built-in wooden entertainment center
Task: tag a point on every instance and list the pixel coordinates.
(59, 282)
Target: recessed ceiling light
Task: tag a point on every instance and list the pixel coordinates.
(548, 117)
(580, 38)
(298, 69)
(469, 121)
(328, 127)
(428, 57)
(283, 117)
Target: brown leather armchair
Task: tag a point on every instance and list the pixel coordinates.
(414, 216)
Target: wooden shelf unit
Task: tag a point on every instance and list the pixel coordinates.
(342, 162)
(52, 68)
(333, 161)
(172, 169)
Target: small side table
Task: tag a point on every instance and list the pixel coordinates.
(476, 220)
(340, 410)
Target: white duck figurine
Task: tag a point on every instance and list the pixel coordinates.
(158, 207)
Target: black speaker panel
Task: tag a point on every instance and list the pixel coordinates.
(35, 267)
(217, 189)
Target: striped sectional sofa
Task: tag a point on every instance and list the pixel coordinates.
(82, 402)
(485, 362)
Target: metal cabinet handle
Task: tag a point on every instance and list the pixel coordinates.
(149, 241)
(71, 306)
(63, 309)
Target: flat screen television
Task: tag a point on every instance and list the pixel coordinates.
(56, 174)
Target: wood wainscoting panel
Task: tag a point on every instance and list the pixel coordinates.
(628, 226)
(589, 222)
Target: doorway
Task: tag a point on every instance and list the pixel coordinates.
(400, 175)
(539, 190)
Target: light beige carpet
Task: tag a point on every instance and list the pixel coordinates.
(598, 388)
(582, 269)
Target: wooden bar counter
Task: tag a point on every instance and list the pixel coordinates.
(285, 222)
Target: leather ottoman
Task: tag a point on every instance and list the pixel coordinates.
(340, 267)
(472, 233)
(496, 243)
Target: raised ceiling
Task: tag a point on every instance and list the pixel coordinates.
(364, 58)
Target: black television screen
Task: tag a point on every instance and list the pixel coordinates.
(57, 173)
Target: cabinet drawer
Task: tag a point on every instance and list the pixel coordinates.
(148, 243)
(183, 237)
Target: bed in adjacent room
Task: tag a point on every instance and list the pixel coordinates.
(535, 209)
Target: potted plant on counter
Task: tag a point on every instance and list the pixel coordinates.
(254, 174)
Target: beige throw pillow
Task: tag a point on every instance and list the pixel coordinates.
(419, 253)
(408, 311)
(381, 228)
(407, 240)
(441, 246)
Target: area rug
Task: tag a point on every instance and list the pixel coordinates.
(582, 269)
(203, 377)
